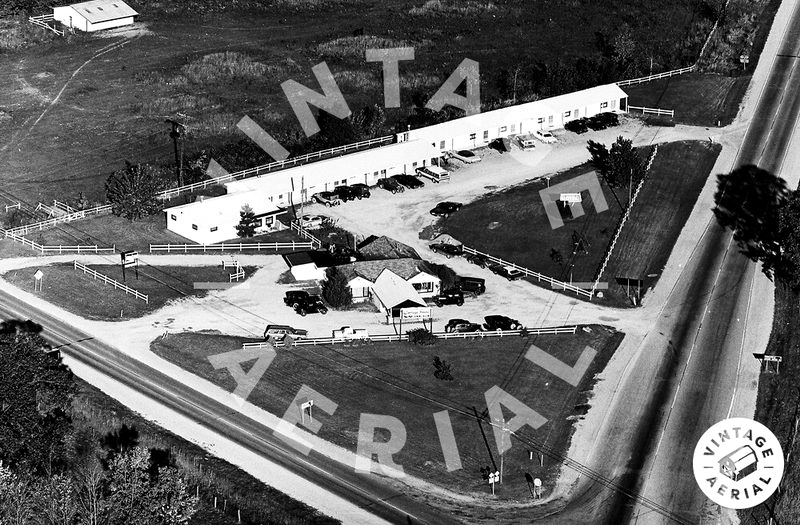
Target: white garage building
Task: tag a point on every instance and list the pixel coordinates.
(95, 15)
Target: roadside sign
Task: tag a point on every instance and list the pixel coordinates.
(571, 198)
(773, 358)
(129, 258)
(38, 275)
(415, 314)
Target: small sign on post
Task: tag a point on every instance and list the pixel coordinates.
(128, 259)
(537, 488)
(494, 478)
(306, 407)
(37, 281)
(570, 198)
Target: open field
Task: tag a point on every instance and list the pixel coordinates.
(82, 295)
(397, 379)
(667, 198)
(212, 70)
(700, 99)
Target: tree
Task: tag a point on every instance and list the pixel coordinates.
(16, 498)
(620, 166)
(56, 499)
(599, 154)
(132, 191)
(335, 289)
(443, 369)
(247, 222)
(789, 236)
(749, 202)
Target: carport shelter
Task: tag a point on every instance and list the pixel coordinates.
(391, 293)
(309, 265)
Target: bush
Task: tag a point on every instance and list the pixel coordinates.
(335, 289)
(421, 336)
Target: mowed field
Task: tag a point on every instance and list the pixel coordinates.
(397, 379)
(80, 107)
(81, 294)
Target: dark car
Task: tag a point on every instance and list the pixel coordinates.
(312, 304)
(509, 272)
(446, 249)
(390, 184)
(451, 296)
(608, 118)
(443, 209)
(409, 181)
(345, 193)
(471, 285)
(578, 126)
(461, 325)
(500, 322)
(361, 191)
(295, 297)
(477, 259)
(598, 122)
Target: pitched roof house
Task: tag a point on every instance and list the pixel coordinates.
(362, 275)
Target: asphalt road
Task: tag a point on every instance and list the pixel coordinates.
(367, 491)
(688, 363)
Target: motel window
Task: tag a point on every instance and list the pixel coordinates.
(194, 226)
(375, 174)
(540, 120)
(472, 136)
(567, 113)
(613, 104)
(214, 229)
(550, 119)
(441, 145)
(513, 128)
(174, 218)
(280, 197)
(413, 164)
(270, 198)
(503, 128)
(603, 105)
(268, 221)
(577, 113)
(423, 287)
(405, 136)
(344, 181)
(486, 135)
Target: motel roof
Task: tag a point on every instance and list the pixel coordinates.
(96, 11)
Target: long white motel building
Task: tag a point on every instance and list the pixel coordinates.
(212, 220)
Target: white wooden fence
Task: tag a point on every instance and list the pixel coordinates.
(67, 217)
(231, 247)
(42, 20)
(239, 274)
(404, 337)
(273, 166)
(554, 283)
(59, 249)
(302, 232)
(657, 76)
(653, 111)
(108, 280)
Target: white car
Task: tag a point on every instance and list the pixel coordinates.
(465, 155)
(313, 222)
(544, 136)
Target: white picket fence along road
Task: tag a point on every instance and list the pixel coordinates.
(59, 249)
(239, 274)
(302, 232)
(67, 217)
(108, 280)
(231, 247)
(657, 76)
(404, 337)
(653, 111)
(273, 166)
(554, 283)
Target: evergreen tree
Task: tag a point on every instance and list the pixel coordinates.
(247, 222)
(132, 191)
(335, 289)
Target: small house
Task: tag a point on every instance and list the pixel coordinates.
(95, 15)
(362, 275)
(309, 265)
(393, 294)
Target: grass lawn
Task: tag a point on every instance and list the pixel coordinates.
(700, 99)
(660, 211)
(397, 379)
(80, 294)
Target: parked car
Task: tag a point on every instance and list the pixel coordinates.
(361, 191)
(447, 249)
(579, 126)
(313, 222)
(597, 123)
(526, 142)
(348, 333)
(443, 209)
(465, 155)
(509, 272)
(500, 322)
(409, 181)
(462, 325)
(312, 304)
(278, 332)
(451, 296)
(295, 297)
(328, 198)
(433, 173)
(346, 193)
(544, 136)
(477, 259)
(390, 184)
(608, 118)
(471, 285)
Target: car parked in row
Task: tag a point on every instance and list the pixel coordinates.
(481, 261)
(390, 184)
(443, 209)
(409, 181)
(345, 193)
(465, 155)
(361, 191)
(451, 296)
(603, 120)
(544, 136)
(447, 249)
(500, 322)
(328, 198)
(471, 285)
(433, 173)
(509, 272)
(311, 304)
(526, 142)
(579, 126)
(462, 325)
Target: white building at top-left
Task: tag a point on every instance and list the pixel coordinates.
(95, 15)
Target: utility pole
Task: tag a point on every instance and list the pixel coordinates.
(516, 72)
(178, 132)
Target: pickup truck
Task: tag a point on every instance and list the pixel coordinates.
(348, 333)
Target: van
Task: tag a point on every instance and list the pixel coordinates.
(278, 332)
(434, 173)
(526, 142)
